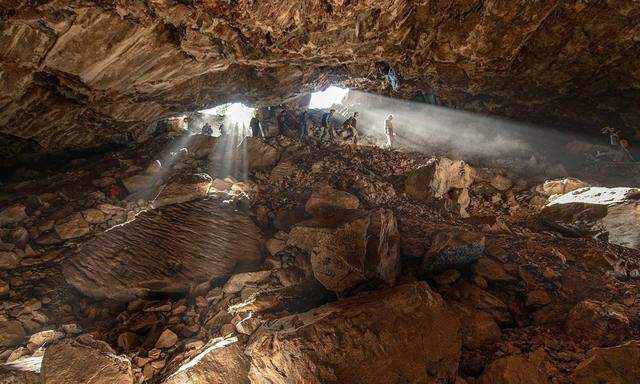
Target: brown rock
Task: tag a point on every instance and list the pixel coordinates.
(122, 264)
(492, 271)
(449, 276)
(259, 154)
(351, 248)
(537, 299)
(240, 280)
(222, 362)
(478, 327)
(167, 339)
(452, 248)
(437, 177)
(9, 260)
(13, 214)
(500, 183)
(139, 183)
(103, 182)
(72, 226)
(561, 186)
(597, 323)
(512, 370)
(619, 364)
(94, 216)
(11, 333)
(84, 360)
(334, 343)
(326, 201)
(183, 188)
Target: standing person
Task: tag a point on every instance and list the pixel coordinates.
(614, 137)
(350, 126)
(207, 130)
(256, 127)
(223, 131)
(304, 125)
(389, 131)
(325, 124)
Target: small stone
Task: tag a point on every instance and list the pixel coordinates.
(166, 307)
(238, 281)
(128, 340)
(13, 214)
(500, 183)
(103, 182)
(9, 260)
(5, 288)
(167, 339)
(447, 277)
(492, 271)
(94, 216)
(45, 337)
(275, 246)
(71, 328)
(537, 299)
(11, 333)
(72, 226)
(227, 329)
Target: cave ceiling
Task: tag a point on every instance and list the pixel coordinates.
(76, 74)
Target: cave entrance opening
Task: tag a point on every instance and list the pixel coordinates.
(231, 118)
(327, 98)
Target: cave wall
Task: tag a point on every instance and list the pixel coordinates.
(81, 73)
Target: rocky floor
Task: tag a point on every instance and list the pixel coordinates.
(311, 263)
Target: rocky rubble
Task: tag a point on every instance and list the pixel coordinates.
(319, 254)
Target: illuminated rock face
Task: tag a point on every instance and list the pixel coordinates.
(83, 73)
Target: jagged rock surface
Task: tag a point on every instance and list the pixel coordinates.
(416, 339)
(192, 242)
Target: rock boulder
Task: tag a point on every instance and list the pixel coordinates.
(452, 248)
(327, 201)
(438, 177)
(398, 335)
(193, 242)
(183, 188)
(619, 364)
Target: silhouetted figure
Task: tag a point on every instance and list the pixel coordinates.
(207, 130)
(325, 125)
(256, 127)
(389, 131)
(223, 130)
(304, 125)
(349, 125)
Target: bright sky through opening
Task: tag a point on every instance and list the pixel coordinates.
(327, 98)
(235, 112)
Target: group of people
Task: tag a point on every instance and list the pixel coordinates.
(327, 129)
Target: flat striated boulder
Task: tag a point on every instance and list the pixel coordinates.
(183, 188)
(164, 250)
(84, 360)
(404, 334)
(438, 177)
(351, 248)
(72, 226)
(223, 362)
(611, 214)
(619, 364)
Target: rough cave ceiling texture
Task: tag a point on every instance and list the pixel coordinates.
(79, 73)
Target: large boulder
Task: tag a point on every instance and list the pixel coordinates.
(560, 186)
(512, 370)
(192, 242)
(182, 188)
(84, 360)
(404, 334)
(438, 177)
(11, 333)
(619, 364)
(326, 201)
(452, 248)
(72, 226)
(598, 323)
(223, 362)
(13, 214)
(257, 153)
(351, 248)
(606, 213)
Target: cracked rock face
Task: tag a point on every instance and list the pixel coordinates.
(77, 73)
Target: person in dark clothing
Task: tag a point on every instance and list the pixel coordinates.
(325, 124)
(223, 131)
(350, 126)
(207, 130)
(304, 125)
(256, 127)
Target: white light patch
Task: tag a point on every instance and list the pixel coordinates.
(234, 113)
(327, 98)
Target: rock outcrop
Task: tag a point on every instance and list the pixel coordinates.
(193, 242)
(619, 364)
(611, 214)
(437, 177)
(351, 248)
(416, 339)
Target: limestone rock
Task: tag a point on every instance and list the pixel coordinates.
(349, 249)
(11, 333)
(167, 339)
(598, 323)
(259, 154)
(138, 183)
(512, 370)
(452, 248)
(222, 362)
(607, 213)
(84, 360)
(72, 226)
(194, 242)
(183, 188)
(416, 339)
(327, 201)
(619, 364)
(561, 186)
(438, 177)
(13, 214)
